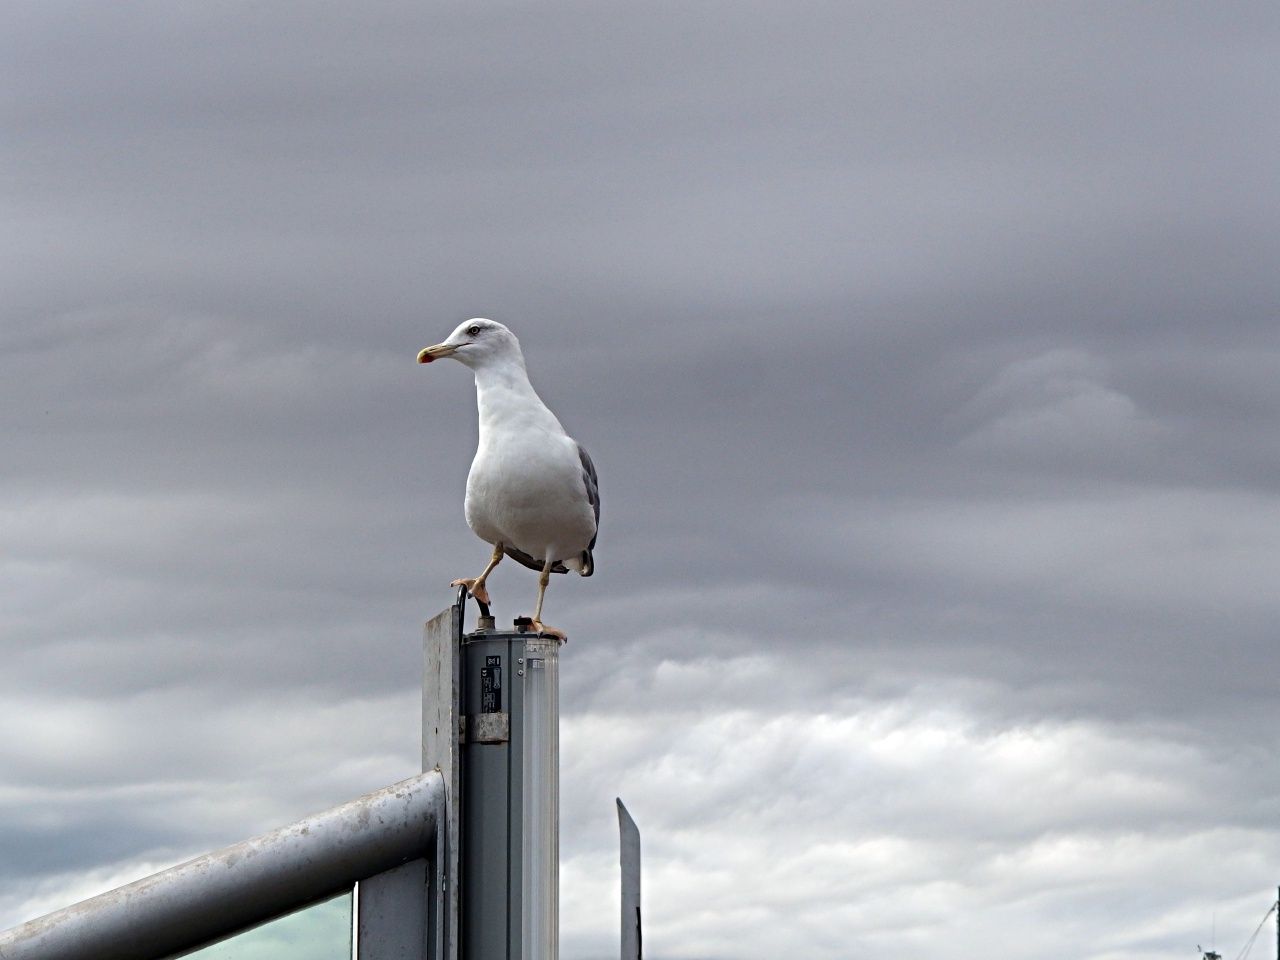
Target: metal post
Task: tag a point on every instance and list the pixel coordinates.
(491, 721)
(441, 736)
(629, 861)
(510, 796)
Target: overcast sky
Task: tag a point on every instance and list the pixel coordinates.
(930, 358)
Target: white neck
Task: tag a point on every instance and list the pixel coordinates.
(505, 395)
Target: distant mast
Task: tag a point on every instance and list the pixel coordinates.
(1274, 907)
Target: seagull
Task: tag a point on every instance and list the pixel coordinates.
(532, 490)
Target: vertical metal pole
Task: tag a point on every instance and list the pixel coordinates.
(629, 861)
(510, 796)
(392, 919)
(441, 733)
(540, 746)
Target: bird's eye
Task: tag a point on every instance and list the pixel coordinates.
(473, 331)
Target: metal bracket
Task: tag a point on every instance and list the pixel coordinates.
(489, 727)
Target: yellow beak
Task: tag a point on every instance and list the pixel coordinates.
(428, 354)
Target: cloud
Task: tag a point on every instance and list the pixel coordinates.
(917, 815)
(1057, 407)
(929, 362)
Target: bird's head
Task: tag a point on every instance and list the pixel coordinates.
(475, 342)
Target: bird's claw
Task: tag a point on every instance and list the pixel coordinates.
(474, 587)
(540, 627)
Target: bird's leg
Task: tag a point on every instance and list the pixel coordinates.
(476, 587)
(538, 625)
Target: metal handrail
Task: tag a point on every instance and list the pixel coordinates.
(244, 884)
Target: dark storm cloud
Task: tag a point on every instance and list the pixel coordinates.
(928, 356)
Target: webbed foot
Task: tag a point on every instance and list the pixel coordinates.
(474, 587)
(541, 627)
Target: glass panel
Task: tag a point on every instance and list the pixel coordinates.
(321, 931)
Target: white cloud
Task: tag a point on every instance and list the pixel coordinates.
(909, 826)
(1056, 406)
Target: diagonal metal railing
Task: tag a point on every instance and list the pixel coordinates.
(244, 884)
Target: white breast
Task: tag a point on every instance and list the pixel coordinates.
(526, 490)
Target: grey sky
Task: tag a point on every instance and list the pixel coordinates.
(929, 356)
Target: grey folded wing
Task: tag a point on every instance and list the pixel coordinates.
(593, 497)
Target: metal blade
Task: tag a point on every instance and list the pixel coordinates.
(629, 859)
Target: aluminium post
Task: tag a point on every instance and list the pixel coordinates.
(441, 737)
(491, 722)
(629, 864)
(510, 796)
